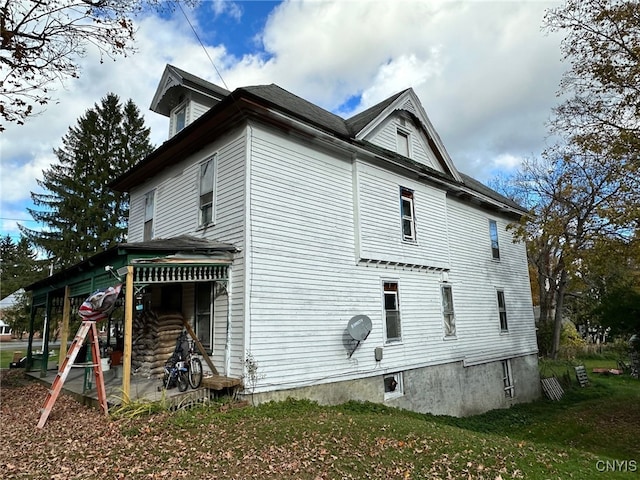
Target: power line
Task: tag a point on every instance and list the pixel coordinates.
(202, 45)
(19, 219)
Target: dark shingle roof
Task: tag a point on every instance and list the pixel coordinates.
(194, 80)
(299, 107)
(362, 119)
(186, 243)
(479, 187)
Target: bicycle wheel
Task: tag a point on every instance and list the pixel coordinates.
(183, 381)
(195, 372)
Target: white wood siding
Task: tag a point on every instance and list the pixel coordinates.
(197, 110)
(476, 276)
(380, 220)
(386, 136)
(177, 200)
(306, 281)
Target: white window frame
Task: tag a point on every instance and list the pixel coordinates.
(502, 310)
(177, 112)
(448, 312)
(409, 218)
(403, 142)
(203, 201)
(148, 233)
(201, 315)
(494, 239)
(398, 389)
(388, 292)
(507, 379)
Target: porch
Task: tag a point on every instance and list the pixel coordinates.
(80, 384)
(160, 280)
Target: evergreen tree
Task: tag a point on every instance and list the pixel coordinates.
(82, 215)
(19, 266)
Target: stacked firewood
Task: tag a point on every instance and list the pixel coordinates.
(153, 341)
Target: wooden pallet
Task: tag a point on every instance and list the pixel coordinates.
(581, 375)
(552, 389)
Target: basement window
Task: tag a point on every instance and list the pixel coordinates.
(507, 379)
(393, 385)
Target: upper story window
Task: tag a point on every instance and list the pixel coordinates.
(408, 215)
(179, 118)
(447, 311)
(391, 311)
(502, 310)
(493, 234)
(403, 140)
(149, 210)
(207, 191)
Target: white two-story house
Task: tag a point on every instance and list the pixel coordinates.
(360, 264)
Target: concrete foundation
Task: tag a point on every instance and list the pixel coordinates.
(448, 389)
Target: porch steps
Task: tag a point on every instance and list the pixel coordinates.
(219, 382)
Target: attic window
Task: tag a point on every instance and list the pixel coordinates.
(181, 118)
(403, 142)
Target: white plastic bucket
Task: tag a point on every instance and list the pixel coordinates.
(105, 364)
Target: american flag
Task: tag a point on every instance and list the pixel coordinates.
(99, 304)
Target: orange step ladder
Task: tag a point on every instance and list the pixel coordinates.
(87, 327)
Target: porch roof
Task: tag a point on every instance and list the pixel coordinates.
(100, 270)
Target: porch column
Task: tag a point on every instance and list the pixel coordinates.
(32, 322)
(64, 332)
(128, 333)
(44, 364)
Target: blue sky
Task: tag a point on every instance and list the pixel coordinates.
(485, 72)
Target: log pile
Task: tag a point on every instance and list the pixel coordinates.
(153, 341)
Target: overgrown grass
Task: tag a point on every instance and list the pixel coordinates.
(577, 437)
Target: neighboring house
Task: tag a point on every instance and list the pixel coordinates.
(7, 303)
(312, 220)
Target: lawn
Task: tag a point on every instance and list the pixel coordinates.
(6, 353)
(591, 433)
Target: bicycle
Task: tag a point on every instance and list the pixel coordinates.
(194, 366)
(175, 373)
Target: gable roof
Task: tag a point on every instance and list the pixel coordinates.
(279, 106)
(364, 118)
(174, 81)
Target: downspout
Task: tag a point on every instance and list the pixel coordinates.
(227, 346)
(247, 248)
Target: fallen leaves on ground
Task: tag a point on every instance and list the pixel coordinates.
(78, 442)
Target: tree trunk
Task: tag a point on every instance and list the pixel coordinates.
(557, 324)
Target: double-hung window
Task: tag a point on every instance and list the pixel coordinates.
(493, 235)
(149, 208)
(207, 191)
(408, 215)
(447, 312)
(391, 311)
(502, 311)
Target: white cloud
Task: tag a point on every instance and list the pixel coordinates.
(484, 72)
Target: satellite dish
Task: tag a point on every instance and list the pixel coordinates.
(359, 327)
